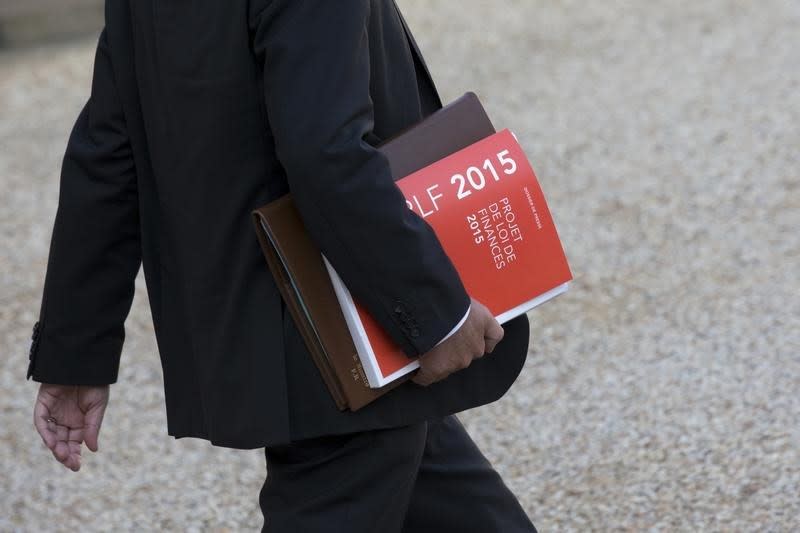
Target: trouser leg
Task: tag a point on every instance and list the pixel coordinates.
(359, 482)
(457, 490)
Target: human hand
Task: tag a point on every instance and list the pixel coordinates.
(66, 416)
(478, 335)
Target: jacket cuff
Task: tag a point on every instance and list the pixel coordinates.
(425, 323)
(60, 362)
(456, 327)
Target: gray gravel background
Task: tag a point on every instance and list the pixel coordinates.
(661, 393)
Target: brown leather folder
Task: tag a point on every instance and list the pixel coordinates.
(296, 262)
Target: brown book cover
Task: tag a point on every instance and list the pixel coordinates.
(297, 265)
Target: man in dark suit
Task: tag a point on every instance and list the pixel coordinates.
(198, 114)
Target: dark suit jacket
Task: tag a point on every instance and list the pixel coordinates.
(200, 112)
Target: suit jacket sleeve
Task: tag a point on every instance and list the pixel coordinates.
(94, 251)
(316, 70)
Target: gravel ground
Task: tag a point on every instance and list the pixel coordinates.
(661, 393)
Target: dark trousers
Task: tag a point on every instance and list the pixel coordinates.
(424, 477)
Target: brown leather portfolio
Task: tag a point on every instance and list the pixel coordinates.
(297, 266)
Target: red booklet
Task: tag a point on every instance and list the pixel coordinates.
(488, 211)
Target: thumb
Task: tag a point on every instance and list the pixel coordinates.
(93, 420)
